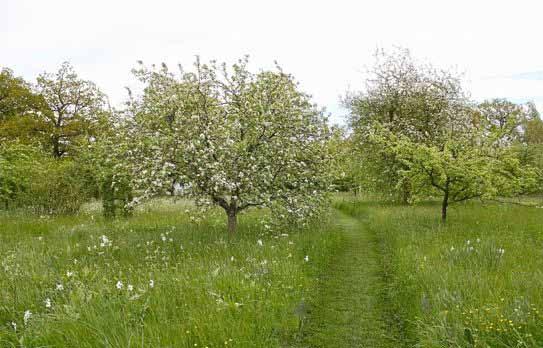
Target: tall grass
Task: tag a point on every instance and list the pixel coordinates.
(474, 282)
(155, 280)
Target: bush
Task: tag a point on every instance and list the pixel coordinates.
(55, 189)
(31, 179)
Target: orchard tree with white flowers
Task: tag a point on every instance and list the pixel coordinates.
(232, 138)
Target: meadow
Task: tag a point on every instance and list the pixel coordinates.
(474, 282)
(369, 274)
(155, 280)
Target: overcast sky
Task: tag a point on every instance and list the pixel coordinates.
(327, 45)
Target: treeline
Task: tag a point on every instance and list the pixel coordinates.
(229, 137)
(222, 135)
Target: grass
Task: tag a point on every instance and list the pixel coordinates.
(184, 284)
(376, 275)
(347, 311)
(474, 282)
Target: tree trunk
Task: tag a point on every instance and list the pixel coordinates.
(444, 206)
(232, 221)
(445, 203)
(56, 147)
(406, 193)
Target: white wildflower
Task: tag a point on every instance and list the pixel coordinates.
(104, 241)
(47, 303)
(26, 317)
(119, 285)
(130, 287)
(306, 258)
(151, 283)
(59, 287)
(69, 274)
(259, 242)
(14, 325)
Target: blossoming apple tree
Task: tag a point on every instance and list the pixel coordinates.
(232, 138)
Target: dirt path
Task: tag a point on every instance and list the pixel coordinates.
(349, 310)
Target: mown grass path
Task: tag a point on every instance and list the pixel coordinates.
(349, 310)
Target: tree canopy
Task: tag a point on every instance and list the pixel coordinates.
(232, 138)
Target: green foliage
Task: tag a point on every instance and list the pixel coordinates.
(16, 160)
(463, 166)
(55, 187)
(407, 98)
(16, 97)
(116, 196)
(32, 180)
(20, 110)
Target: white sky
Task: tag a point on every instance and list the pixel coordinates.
(327, 45)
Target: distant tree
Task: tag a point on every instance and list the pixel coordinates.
(232, 138)
(466, 164)
(407, 98)
(20, 109)
(533, 126)
(500, 116)
(532, 150)
(75, 107)
(346, 167)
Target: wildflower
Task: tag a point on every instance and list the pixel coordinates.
(14, 325)
(130, 287)
(306, 258)
(478, 240)
(40, 238)
(259, 242)
(26, 316)
(151, 283)
(452, 248)
(59, 287)
(69, 274)
(232, 258)
(163, 237)
(468, 242)
(47, 303)
(501, 251)
(104, 241)
(119, 285)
